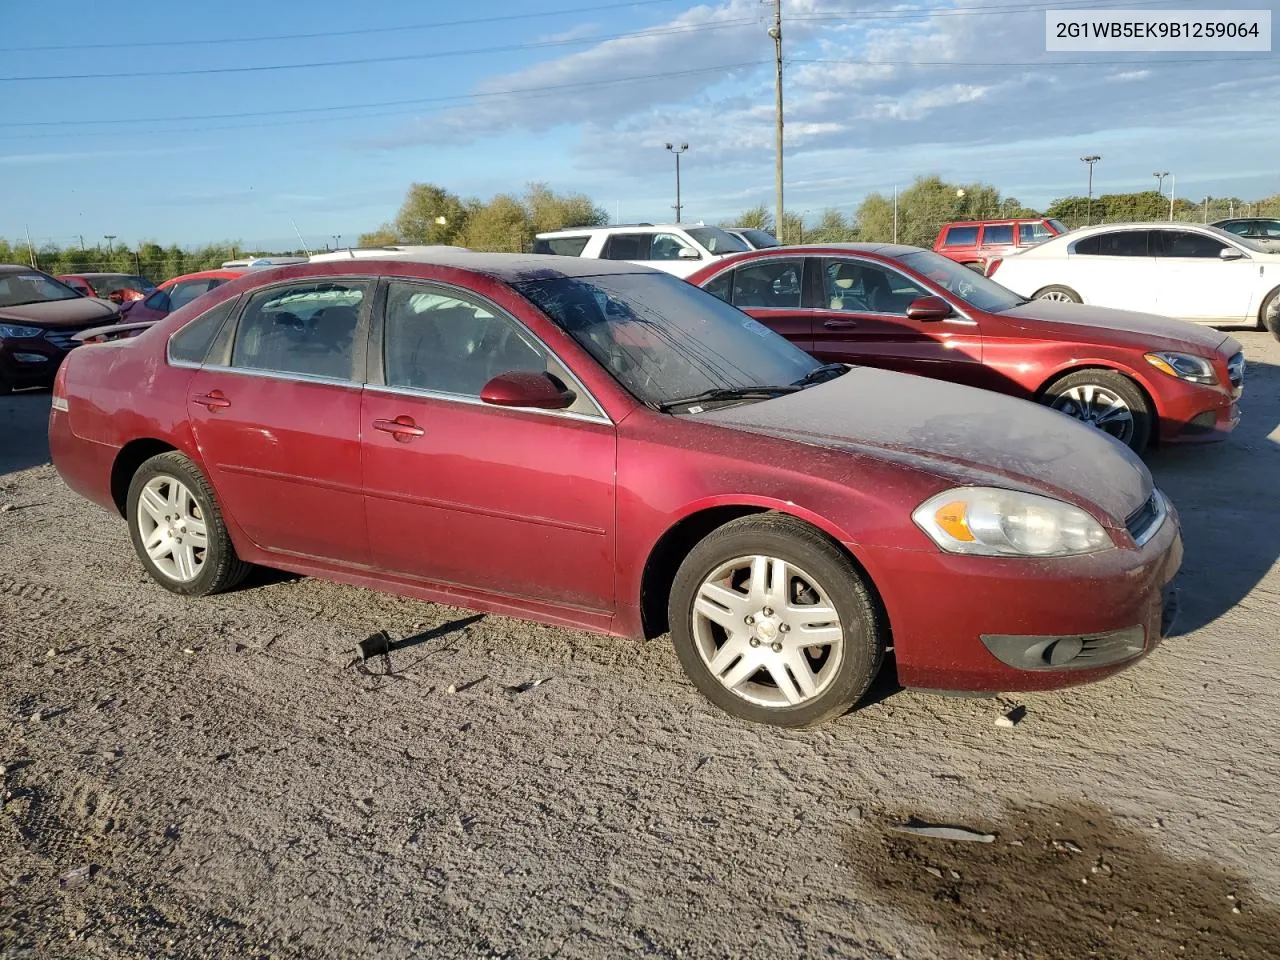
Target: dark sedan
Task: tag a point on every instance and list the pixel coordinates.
(38, 319)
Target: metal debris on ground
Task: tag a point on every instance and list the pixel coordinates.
(527, 685)
(939, 831)
(77, 876)
(1011, 719)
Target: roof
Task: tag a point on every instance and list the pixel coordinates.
(506, 267)
(569, 231)
(17, 268)
(995, 220)
(880, 249)
(98, 276)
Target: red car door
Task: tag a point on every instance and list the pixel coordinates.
(276, 416)
(513, 502)
(861, 317)
(772, 291)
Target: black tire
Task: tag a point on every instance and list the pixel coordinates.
(1055, 394)
(5, 387)
(1044, 293)
(800, 545)
(220, 569)
(1269, 315)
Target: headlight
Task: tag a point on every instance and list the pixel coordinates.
(1184, 366)
(1004, 523)
(9, 331)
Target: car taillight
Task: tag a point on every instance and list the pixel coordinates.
(993, 265)
(60, 388)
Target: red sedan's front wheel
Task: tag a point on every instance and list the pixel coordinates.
(1105, 400)
(773, 623)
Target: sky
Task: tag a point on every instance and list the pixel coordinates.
(202, 122)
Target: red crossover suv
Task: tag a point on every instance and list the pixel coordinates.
(1138, 377)
(975, 243)
(169, 296)
(116, 287)
(604, 446)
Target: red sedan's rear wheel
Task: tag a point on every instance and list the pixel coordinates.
(177, 528)
(1269, 315)
(773, 623)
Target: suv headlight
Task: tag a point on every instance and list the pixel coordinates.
(9, 331)
(991, 522)
(1184, 366)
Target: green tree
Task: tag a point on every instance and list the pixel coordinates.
(430, 214)
(502, 224)
(757, 218)
(832, 227)
(547, 210)
(384, 236)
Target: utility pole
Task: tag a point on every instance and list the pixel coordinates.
(1160, 177)
(108, 237)
(31, 250)
(895, 213)
(677, 151)
(776, 32)
(1173, 188)
(1090, 160)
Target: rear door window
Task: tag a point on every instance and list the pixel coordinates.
(771, 284)
(306, 329)
(1118, 243)
(998, 234)
(961, 237)
(627, 246)
(1183, 244)
(721, 286)
(183, 293)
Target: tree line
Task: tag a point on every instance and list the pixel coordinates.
(431, 214)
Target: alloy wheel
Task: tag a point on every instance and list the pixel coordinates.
(1099, 407)
(172, 528)
(1056, 296)
(767, 631)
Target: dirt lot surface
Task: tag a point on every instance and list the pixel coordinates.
(235, 787)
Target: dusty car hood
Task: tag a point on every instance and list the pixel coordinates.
(1092, 324)
(61, 313)
(971, 436)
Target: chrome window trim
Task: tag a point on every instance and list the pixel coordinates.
(477, 402)
(499, 311)
(275, 374)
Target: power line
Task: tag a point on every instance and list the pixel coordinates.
(359, 31)
(442, 103)
(927, 13)
(738, 24)
(1040, 63)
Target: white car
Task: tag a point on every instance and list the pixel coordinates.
(754, 237)
(671, 247)
(1182, 270)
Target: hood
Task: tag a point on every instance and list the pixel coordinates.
(1088, 323)
(969, 436)
(80, 312)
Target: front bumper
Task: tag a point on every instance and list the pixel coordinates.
(1193, 413)
(1116, 605)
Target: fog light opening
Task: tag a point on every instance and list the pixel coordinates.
(1062, 652)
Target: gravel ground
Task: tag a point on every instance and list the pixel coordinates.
(235, 786)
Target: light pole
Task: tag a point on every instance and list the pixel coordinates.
(1090, 160)
(1160, 177)
(337, 240)
(775, 32)
(677, 151)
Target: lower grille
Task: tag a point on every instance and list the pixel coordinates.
(1235, 370)
(1143, 523)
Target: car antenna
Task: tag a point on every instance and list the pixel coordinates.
(305, 249)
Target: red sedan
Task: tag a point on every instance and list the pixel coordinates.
(1140, 378)
(117, 287)
(597, 444)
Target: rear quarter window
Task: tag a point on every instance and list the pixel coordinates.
(960, 237)
(190, 345)
(561, 246)
(999, 234)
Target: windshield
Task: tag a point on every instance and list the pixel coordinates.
(665, 339)
(1247, 242)
(1058, 225)
(958, 280)
(759, 239)
(18, 289)
(717, 241)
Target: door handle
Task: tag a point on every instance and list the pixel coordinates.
(402, 428)
(213, 400)
(839, 324)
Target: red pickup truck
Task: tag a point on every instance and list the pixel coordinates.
(976, 242)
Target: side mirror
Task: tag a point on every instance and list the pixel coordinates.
(521, 389)
(929, 308)
(688, 253)
(1230, 253)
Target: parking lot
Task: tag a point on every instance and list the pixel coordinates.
(238, 784)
